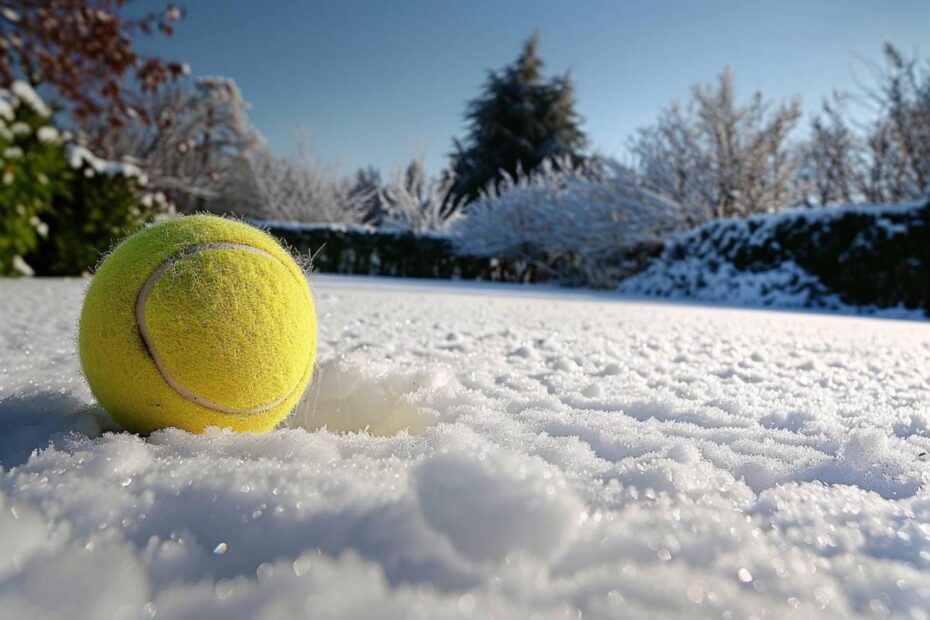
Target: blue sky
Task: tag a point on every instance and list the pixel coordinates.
(377, 82)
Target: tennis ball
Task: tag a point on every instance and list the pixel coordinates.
(195, 322)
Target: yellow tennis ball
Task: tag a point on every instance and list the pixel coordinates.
(195, 322)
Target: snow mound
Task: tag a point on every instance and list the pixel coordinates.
(785, 285)
(529, 504)
(352, 395)
(468, 451)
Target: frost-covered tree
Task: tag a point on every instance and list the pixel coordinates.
(831, 157)
(726, 158)
(413, 201)
(886, 159)
(295, 188)
(368, 185)
(518, 121)
(193, 141)
(563, 217)
(896, 160)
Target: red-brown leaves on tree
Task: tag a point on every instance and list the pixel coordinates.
(83, 49)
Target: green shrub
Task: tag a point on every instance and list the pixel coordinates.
(33, 169)
(103, 203)
(61, 207)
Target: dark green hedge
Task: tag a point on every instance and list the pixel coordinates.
(867, 255)
(369, 251)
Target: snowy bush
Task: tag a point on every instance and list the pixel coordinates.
(295, 188)
(60, 206)
(414, 202)
(577, 222)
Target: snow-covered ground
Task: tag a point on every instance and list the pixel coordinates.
(567, 454)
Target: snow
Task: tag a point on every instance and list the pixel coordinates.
(79, 157)
(24, 93)
(565, 454)
(787, 285)
(48, 134)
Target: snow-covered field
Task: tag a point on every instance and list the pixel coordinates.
(567, 455)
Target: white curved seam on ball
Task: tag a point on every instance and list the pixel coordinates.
(159, 364)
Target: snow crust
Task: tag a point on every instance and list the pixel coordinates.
(526, 452)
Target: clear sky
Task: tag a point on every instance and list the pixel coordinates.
(378, 81)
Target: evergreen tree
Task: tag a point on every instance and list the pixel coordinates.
(520, 120)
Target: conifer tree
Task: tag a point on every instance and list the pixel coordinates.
(520, 120)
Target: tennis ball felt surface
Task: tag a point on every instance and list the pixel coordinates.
(195, 322)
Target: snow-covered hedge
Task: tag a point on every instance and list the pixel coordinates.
(867, 255)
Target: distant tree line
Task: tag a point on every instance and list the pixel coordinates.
(734, 160)
(523, 180)
(885, 160)
(713, 154)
